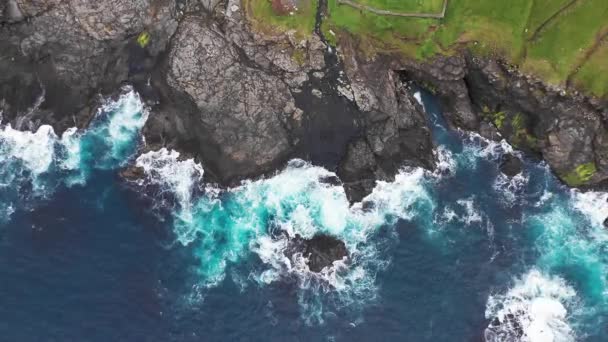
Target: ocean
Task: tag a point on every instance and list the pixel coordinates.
(461, 253)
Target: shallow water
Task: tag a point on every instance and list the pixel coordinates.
(458, 254)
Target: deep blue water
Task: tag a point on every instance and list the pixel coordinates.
(435, 256)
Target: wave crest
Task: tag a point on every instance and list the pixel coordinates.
(535, 309)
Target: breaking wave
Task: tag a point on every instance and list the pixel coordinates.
(259, 218)
(536, 309)
(34, 164)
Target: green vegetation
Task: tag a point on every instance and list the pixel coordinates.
(580, 175)
(521, 137)
(498, 119)
(410, 6)
(557, 40)
(563, 45)
(264, 18)
(299, 55)
(143, 39)
(592, 75)
(548, 38)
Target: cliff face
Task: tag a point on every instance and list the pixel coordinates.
(243, 103)
(565, 128)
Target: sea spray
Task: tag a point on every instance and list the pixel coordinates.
(34, 164)
(260, 217)
(536, 309)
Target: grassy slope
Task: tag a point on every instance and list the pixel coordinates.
(264, 19)
(411, 6)
(561, 50)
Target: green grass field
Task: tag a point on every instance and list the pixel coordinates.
(557, 40)
(411, 6)
(263, 18)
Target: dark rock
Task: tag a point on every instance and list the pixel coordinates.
(239, 115)
(395, 130)
(489, 132)
(510, 165)
(508, 329)
(226, 95)
(321, 250)
(606, 222)
(445, 77)
(68, 52)
(132, 173)
(567, 130)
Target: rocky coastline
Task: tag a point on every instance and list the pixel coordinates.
(243, 103)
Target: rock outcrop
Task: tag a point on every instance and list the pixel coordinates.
(320, 251)
(58, 55)
(243, 102)
(566, 129)
(510, 165)
(245, 113)
(395, 131)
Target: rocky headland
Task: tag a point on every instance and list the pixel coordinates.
(243, 102)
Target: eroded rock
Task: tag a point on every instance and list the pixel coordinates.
(395, 130)
(321, 250)
(242, 115)
(510, 165)
(68, 52)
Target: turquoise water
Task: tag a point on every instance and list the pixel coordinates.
(458, 254)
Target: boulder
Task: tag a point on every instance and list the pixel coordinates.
(239, 115)
(510, 165)
(321, 250)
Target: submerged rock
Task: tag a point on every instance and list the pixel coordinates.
(510, 165)
(132, 173)
(509, 327)
(321, 250)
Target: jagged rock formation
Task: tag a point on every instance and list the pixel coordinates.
(57, 55)
(395, 131)
(510, 165)
(244, 102)
(320, 251)
(569, 131)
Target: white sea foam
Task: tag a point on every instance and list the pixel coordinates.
(466, 212)
(593, 204)
(43, 160)
(261, 217)
(535, 309)
(446, 163)
(510, 188)
(546, 196)
(476, 146)
(35, 150)
(165, 168)
(471, 212)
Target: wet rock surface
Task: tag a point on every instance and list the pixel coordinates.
(61, 54)
(395, 132)
(510, 165)
(320, 250)
(566, 129)
(244, 112)
(243, 103)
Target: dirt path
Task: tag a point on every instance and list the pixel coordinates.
(396, 14)
(602, 38)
